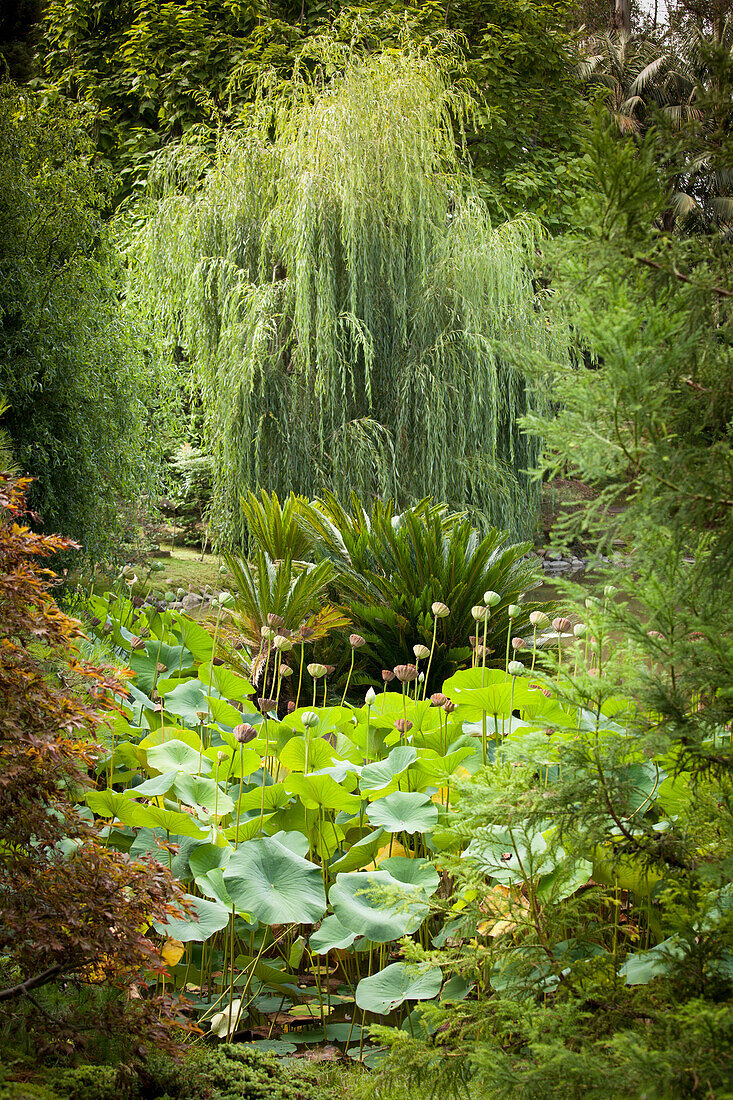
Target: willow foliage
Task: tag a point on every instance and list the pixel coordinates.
(342, 294)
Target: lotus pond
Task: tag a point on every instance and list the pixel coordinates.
(318, 846)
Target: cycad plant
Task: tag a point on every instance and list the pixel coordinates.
(342, 296)
(391, 568)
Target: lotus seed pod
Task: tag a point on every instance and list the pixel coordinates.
(579, 630)
(562, 626)
(306, 633)
(405, 673)
(356, 641)
(438, 699)
(404, 725)
(515, 668)
(371, 697)
(421, 651)
(202, 715)
(275, 620)
(285, 671)
(267, 633)
(538, 618)
(591, 602)
(245, 733)
(440, 610)
(514, 610)
(137, 643)
(309, 718)
(330, 669)
(492, 598)
(282, 643)
(267, 705)
(610, 590)
(421, 677)
(291, 707)
(472, 639)
(480, 613)
(226, 599)
(518, 643)
(449, 706)
(482, 651)
(160, 667)
(316, 670)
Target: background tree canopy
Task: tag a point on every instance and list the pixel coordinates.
(342, 294)
(69, 364)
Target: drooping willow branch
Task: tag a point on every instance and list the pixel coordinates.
(342, 293)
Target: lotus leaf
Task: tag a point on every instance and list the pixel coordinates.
(359, 854)
(380, 774)
(397, 983)
(412, 872)
(321, 790)
(177, 756)
(274, 884)
(203, 794)
(364, 901)
(206, 918)
(404, 811)
(332, 935)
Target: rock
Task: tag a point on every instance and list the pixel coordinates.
(191, 601)
(553, 555)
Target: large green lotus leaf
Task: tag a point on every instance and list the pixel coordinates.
(177, 756)
(212, 886)
(644, 966)
(205, 857)
(329, 718)
(373, 904)
(321, 790)
(197, 640)
(397, 983)
(144, 662)
(227, 683)
(434, 770)
(189, 701)
(510, 856)
(564, 880)
(381, 773)
(390, 705)
(171, 733)
(413, 872)
(153, 788)
(404, 811)
(331, 936)
(275, 797)
(537, 709)
(247, 828)
(204, 795)
(153, 842)
(229, 764)
(320, 754)
(174, 823)
(325, 838)
(469, 678)
(206, 918)
(120, 806)
(222, 712)
(359, 854)
(271, 882)
(297, 842)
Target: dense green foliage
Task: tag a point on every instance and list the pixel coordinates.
(69, 366)
(340, 292)
(153, 71)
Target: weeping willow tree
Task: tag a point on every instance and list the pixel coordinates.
(344, 299)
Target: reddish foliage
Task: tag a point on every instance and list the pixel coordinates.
(70, 909)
